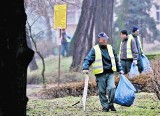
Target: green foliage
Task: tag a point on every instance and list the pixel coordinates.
(145, 104)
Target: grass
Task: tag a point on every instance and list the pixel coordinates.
(153, 53)
(145, 104)
(51, 64)
(51, 72)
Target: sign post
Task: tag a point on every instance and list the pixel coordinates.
(60, 22)
(60, 16)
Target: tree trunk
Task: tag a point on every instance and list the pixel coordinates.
(94, 13)
(14, 59)
(104, 18)
(33, 65)
(49, 28)
(49, 32)
(83, 36)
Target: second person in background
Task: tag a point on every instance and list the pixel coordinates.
(135, 36)
(128, 52)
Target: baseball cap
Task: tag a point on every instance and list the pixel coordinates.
(135, 29)
(103, 35)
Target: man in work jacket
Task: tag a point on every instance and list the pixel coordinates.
(135, 36)
(105, 62)
(128, 52)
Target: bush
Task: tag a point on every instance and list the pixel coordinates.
(146, 82)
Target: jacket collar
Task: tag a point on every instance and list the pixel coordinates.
(125, 39)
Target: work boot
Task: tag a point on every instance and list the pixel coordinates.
(105, 109)
(112, 108)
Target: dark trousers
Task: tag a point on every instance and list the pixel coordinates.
(140, 63)
(126, 65)
(64, 49)
(106, 84)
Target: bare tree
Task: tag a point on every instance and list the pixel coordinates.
(83, 36)
(14, 59)
(94, 13)
(33, 65)
(42, 8)
(36, 50)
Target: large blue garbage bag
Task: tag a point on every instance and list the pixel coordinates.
(125, 92)
(133, 71)
(146, 65)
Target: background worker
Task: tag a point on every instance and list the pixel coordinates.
(128, 52)
(136, 37)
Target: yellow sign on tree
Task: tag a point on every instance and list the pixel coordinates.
(60, 20)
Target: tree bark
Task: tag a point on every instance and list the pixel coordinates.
(104, 18)
(14, 59)
(83, 36)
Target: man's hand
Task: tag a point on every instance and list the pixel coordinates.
(86, 71)
(135, 62)
(121, 72)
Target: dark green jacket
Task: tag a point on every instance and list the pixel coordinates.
(106, 60)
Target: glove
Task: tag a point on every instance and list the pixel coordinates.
(86, 71)
(135, 62)
(121, 72)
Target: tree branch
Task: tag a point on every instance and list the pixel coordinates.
(50, 4)
(36, 50)
(35, 21)
(37, 33)
(71, 3)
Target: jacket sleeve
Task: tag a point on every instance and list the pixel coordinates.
(118, 65)
(90, 58)
(134, 50)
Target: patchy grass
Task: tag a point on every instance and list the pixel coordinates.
(51, 64)
(144, 104)
(51, 72)
(152, 53)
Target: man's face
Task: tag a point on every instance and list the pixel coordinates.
(123, 36)
(102, 41)
(136, 33)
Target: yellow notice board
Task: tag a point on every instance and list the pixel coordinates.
(60, 20)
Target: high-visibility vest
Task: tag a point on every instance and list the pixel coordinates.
(68, 39)
(139, 41)
(98, 65)
(129, 51)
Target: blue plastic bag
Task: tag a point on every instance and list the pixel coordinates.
(146, 65)
(133, 71)
(125, 92)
